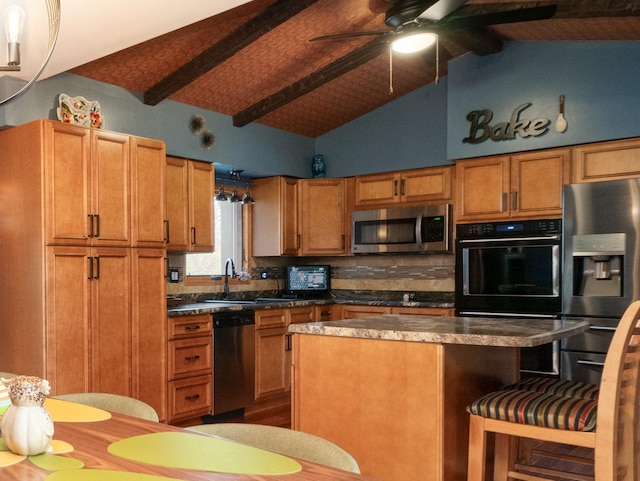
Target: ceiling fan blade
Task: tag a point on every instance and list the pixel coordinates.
(441, 9)
(338, 36)
(496, 18)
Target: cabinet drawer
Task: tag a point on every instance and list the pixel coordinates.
(190, 357)
(271, 318)
(189, 398)
(190, 326)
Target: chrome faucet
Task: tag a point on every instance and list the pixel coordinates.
(226, 275)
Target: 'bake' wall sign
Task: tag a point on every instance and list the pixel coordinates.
(481, 129)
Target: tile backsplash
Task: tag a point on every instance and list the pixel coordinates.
(407, 273)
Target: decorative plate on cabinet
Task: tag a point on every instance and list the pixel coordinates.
(79, 111)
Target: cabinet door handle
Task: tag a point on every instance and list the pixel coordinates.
(395, 188)
(97, 276)
(193, 235)
(503, 203)
(166, 231)
(97, 217)
(192, 328)
(287, 342)
(90, 261)
(90, 216)
(191, 358)
(514, 201)
(402, 187)
(193, 397)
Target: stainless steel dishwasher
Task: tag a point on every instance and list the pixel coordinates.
(233, 360)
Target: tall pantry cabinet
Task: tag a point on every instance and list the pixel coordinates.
(82, 297)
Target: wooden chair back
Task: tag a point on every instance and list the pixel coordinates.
(616, 439)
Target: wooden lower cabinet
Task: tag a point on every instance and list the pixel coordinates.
(271, 357)
(189, 398)
(190, 367)
(149, 337)
(352, 311)
(397, 407)
(273, 348)
(88, 324)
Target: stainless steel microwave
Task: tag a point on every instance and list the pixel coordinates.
(402, 229)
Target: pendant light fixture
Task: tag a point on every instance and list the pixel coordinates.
(13, 17)
(234, 196)
(247, 199)
(221, 196)
(234, 180)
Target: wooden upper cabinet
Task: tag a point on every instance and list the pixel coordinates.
(525, 185)
(275, 216)
(482, 188)
(148, 200)
(201, 182)
(619, 159)
(536, 182)
(323, 217)
(419, 186)
(300, 217)
(102, 188)
(189, 190)
(110, 181)
(67, 181)
(87, 183)
(177, 191)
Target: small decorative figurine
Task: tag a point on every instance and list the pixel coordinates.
(27, 427)
(318, 166)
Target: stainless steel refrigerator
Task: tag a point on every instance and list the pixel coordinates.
(601, 223)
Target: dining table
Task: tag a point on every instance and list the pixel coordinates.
(91, 444)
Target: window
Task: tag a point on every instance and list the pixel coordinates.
(228, 242)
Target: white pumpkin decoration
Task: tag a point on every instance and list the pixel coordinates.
(27, 427)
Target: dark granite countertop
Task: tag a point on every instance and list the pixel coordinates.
(197, 305)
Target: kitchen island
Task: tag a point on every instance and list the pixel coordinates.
(392, 390)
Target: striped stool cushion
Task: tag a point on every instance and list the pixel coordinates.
(538, 409)
(560, 387)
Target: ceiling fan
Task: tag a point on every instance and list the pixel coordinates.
(420, 21)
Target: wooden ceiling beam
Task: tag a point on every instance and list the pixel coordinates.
(335, 69)
(566, 9)
(476, 40)
(264, 22)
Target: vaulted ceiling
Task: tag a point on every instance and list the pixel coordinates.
(256, 62)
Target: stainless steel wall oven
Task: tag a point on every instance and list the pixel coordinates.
(512, 269)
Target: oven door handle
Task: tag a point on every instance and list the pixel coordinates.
(602, 328)
(509, 239)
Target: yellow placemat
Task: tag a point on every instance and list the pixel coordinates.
(202, 453)
(102, 475)
(7, 458)
(66, 411)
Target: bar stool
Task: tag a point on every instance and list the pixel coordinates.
(607, 424)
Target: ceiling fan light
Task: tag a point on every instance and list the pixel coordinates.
(413, 43)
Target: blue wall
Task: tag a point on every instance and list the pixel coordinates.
(424, 128)
(599, 80)
(255, 147)
(408, 133)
